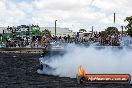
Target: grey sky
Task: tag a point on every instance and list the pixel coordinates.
(74, 14)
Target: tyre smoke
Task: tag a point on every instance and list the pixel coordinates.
(95, 60)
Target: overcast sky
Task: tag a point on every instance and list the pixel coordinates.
(74, 14)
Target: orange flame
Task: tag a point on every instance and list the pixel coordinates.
(81, 71)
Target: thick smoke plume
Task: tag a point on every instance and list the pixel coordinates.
(93, 59)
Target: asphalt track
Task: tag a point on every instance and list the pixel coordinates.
(21, 73)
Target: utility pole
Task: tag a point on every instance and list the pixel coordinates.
(92, 30)
(55, 27)
(114, 22)
(122, 31)
(114, 18)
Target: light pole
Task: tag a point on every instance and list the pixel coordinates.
(114, 18)
(55, 27)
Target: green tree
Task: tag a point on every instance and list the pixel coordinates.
(111, 30)
(129, 25)
(36, 31)
(46, 32)
(103, 34)
(82, 30)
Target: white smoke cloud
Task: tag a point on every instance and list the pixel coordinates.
(94, 60)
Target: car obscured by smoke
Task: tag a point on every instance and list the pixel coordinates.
(55, 46)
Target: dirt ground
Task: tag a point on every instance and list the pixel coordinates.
(21, 73)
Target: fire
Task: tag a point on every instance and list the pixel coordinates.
(81, 71)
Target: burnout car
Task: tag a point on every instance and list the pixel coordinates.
(54, 49)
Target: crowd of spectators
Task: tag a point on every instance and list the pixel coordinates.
(42, 41)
